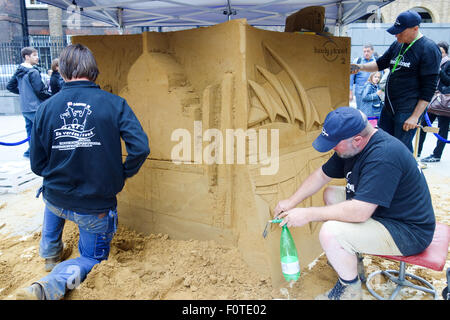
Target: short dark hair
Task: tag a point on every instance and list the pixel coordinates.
(27, 51)
(77, 61)
(55, 64)
(368, 46)
(443, 45)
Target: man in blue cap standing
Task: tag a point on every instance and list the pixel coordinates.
(384, 209)
(413, 60)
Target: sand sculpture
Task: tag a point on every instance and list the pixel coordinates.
(198, 94)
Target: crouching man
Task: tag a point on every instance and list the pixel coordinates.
(385, 208)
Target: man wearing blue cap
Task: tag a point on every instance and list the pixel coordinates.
(413, 60)
(384, 209)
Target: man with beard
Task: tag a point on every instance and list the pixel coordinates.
(384, 209)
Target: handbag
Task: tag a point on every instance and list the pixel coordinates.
(440, 105)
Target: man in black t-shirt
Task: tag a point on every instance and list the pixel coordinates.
(413, 60)
(385, 208)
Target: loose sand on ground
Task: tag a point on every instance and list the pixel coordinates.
(157, 267)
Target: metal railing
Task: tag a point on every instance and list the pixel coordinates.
(48, 48)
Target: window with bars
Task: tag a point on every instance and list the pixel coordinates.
(35, 4)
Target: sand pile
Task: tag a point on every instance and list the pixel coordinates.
(157, 267)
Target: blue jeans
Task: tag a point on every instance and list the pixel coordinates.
(393, 124)
(358, 95)
(96, 233)
(29, 121)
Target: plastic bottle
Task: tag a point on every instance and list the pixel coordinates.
(288, 253)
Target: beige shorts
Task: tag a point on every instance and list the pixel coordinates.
(370, 236)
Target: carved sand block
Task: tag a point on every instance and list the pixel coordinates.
(231, 112)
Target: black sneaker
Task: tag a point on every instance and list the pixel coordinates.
(342, 291)
(430, 159)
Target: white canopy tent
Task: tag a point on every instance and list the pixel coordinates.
(165, 13)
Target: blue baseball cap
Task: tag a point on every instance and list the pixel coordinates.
(405, 20)
(340, 124)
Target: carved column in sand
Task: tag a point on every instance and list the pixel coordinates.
(204, 94)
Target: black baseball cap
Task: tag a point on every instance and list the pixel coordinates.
(405, 20)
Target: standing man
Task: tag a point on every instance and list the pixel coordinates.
(413, 61)
(358, 80)
(372, 214)
(76, 148)
(27, 83)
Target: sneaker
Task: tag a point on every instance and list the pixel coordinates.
(63, 255)
(33, 292)
(430, 159)
(343, 291)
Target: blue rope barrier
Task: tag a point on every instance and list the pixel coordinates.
(9, 144)
(427, 119)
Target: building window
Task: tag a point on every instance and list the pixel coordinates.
(371, 17)
(35, 4)
(424, 14)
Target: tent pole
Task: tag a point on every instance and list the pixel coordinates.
(229, 11)
(120, 19)
(338, 27)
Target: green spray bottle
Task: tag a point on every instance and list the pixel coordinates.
(290, 265)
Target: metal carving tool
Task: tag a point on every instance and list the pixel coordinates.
(268, 225)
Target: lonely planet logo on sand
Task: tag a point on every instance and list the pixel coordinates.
(330, 51)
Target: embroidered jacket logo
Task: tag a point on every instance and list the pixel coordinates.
(73, 134)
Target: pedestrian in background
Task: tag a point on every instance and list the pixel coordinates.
(56, 81)
(357, 81)
(27, 83)
(441, 101)
(371, 98)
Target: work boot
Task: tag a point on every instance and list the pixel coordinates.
(33, 292)
(342, 291)
(63, 255)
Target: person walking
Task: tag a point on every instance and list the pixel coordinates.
(27, 83)
(371, 97)
(76, 148)
(413, 61)
(441, 98)
(357, 81)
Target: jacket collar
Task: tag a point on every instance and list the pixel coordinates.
(80, 84)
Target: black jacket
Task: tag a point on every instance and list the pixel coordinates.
(56, 82)
(444, 78)
(76, 146)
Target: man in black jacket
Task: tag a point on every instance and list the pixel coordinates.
(413, 61)
(27, 83)
(76, 147)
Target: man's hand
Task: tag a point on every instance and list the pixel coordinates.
(411, 123)
(283, 205)
(355, 68)
(296, 217)
(350, 98)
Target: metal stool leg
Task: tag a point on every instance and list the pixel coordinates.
(361, 271)
(401, 282)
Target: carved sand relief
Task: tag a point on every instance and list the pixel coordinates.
(203, 96)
